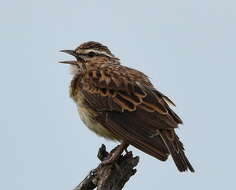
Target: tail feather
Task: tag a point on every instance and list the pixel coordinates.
(176, 150)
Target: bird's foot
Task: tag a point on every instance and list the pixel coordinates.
(114, 154)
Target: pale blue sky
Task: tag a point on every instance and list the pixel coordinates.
(186, 47)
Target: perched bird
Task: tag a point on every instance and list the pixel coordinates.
(120, 103)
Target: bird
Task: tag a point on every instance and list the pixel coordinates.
(121, 104)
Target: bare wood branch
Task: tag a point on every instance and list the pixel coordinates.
(110, 177)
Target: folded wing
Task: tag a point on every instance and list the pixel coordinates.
(129, 107)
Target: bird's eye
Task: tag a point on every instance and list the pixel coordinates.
(91, 54)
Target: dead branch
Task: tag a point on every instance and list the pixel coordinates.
(110, 177)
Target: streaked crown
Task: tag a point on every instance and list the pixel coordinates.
(92, 48)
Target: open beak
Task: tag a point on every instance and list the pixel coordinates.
(70, 52)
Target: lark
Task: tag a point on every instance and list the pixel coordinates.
(121, 104)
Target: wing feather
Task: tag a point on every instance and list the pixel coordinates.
(129, 88)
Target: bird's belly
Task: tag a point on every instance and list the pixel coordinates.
(88, 118)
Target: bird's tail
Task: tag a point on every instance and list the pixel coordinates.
(176, 150)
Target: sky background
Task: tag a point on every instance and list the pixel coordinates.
(186, 47)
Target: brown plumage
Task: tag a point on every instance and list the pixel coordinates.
(120, 103)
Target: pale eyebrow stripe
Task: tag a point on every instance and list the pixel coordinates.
(95, 51)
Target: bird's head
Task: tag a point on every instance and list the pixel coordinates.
(88, 52)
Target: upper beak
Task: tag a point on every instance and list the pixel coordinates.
(70, 52)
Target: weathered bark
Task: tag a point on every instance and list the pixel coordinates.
(110, 177)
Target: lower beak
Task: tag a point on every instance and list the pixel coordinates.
(69, 62)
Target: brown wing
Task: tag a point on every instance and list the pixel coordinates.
(130, 107)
